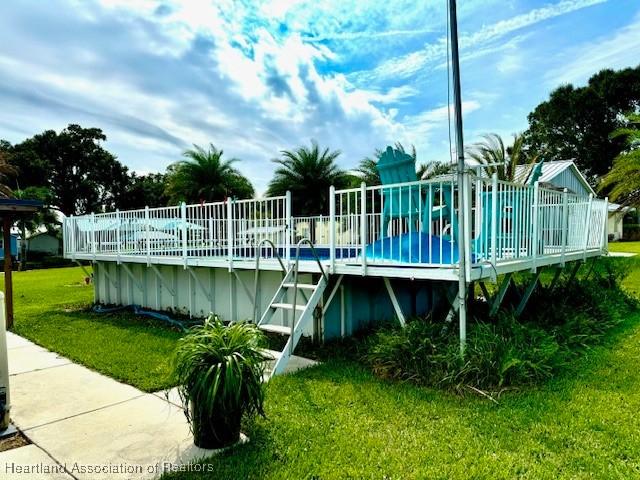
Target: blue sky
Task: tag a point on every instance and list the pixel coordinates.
(256, 77)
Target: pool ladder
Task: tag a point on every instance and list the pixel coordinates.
(291, 326)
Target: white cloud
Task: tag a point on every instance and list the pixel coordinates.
(615, 51)
(422, 128)
(412, 63)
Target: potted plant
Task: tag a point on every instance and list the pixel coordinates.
(219, 371)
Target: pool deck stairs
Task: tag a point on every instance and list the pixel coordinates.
(291, 326)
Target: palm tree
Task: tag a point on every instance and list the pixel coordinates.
(6, 170)
(497, 157)
(205, 177)
(307, 173)
(623, 180)
(434, 169)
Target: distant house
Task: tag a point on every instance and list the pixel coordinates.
(565, 174)
(560, 174)
(44, 243)
(616, 221)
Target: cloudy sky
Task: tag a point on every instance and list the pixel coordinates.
(255, 77)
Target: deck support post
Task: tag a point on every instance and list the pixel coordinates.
(111, 282)
(199, 283)
(556, 277)
(135, 280)
(83, 268)
(164, 282)
(574, 271)
(527, 293)
(394, 301)
(497, 301)
(485, 292)
(212, 289)
(326, 305)
(244, 287)
(454, 302)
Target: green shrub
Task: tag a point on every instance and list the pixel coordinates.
(507, 351)
(219, 371)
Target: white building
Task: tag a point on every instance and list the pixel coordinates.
(565, 174)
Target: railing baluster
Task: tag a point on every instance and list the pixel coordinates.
(363, 226)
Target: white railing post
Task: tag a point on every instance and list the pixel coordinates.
(363, 226)
(605, 227)
(565, 224)
(534, 239)
(230, 233)
(332, 228)
(183, 216)
(72, 224)
(588, 228)
(289, 228)
(467, 205)
(147, 234)
(494, 218)
(119, 226)
(93, 235)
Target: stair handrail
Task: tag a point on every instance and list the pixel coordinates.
(257, 274)
(295, 279)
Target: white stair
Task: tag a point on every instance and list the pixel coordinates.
(295, 317)
(281, 329)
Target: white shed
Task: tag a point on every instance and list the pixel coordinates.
(561, 174)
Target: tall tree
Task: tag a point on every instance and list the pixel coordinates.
(144, 191)
(205, 177)
(575, 122)
(81, 175)
(622, 182)
(7, 170)
(434, 169)
(307, 173)
(498, 157)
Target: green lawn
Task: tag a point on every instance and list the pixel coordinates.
(52, 309)
(339, 421)
(629, 247)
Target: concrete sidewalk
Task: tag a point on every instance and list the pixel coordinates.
(79, 421)
(84, 425)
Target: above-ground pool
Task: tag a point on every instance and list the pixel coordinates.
(413, 247)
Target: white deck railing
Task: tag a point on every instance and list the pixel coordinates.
(409, 224)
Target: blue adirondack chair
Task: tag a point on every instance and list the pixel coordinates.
(507, 208)
(394, 167)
